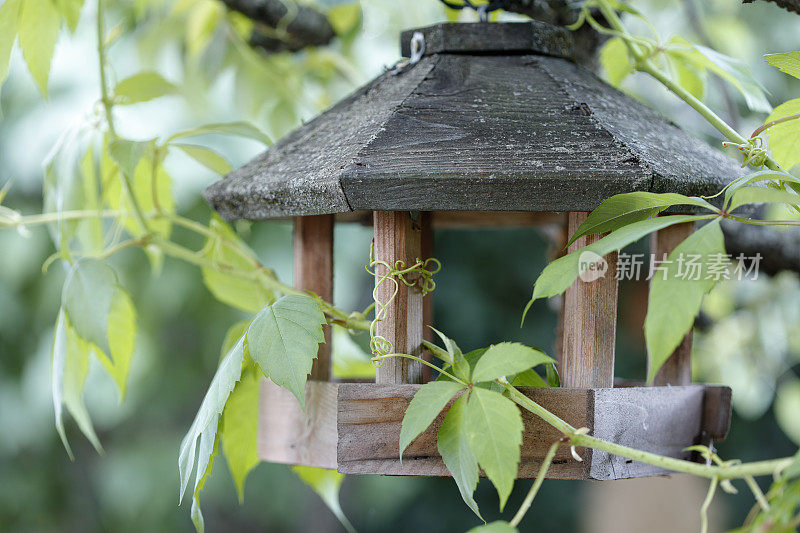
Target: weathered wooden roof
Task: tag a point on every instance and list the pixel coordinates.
(500, 125)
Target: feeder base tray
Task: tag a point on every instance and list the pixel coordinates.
(355, 428)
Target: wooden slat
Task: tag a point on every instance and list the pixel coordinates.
(677, 369)
(288, 435)
(370, 417)
(356, 428)
(590, 321)
(398, 237)
(313, 271)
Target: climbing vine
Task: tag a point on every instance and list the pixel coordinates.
(104, 193)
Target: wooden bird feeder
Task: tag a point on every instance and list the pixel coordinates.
(495, 125)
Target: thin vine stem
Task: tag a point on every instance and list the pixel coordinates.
(757, 493)
(712, 489)
(379, 358)
(737, 471)
(526, 503)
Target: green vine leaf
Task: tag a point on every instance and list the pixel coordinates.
(121, 339)
(674, 302)
(497, 526)
(623, 209)
(561, 273)
(206, 157)
(788, 62)
(283, 340)
(9, 19)
(784, 138)
(528, 378)
(239, 433)
(71, 11)
(615, 61)
(70, 366)
(728, 68)
(89, 291)
(449, 345)
(239, 129)
(454, 447)
(326, 484)
(505, 359)
(425, 406)
(39, 23)
(227, 250)
(494, 425)
(208, 450)
(757, 195)
(757, 177)
(143, 87)
(223, 383)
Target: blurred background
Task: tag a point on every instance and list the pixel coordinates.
(749, 337)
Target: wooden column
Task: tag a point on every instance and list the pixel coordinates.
(590, 320)
(313, 271)
(677, 370)
(398, 237)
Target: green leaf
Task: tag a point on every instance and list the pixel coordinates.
(425, 406)
(39, 22)
(283, 340)
(142, 87)
(757, 195)
(239, 433)
(350, 361)
(121, 339)
(624, 209)
(127, 154)
(465, 364)
(615, 61)
(71, 11)
(675, 302)
(70, 366)
(232, 336)
(561, 273)
(241, 129)
(756, 177)
(788, 62)
(784, 138)
(494, 426)
(449, 345)
(326, 484)
(454, 447)
(553, 379)
(230, 253)
(206, 157)
(497, 526)
(787, 406)
(505, 359)
(730, 69)
(9, 18)
(223, 383)
(89, 290)
(689, 76)
(528, 378)
(209, 446)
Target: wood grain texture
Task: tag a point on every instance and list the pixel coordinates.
(589, 322)
(426, 247)
(474, 132)
(479, 38)
(313, 271)
(677, 369)
(370, 418)
(399, 238)
(288, 435)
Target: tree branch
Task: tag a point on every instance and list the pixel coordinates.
(289, 25)
(788, 5)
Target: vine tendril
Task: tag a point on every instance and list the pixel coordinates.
(418, 274)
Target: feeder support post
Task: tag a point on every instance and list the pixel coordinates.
(677, 370)
(590, 321)
(313, 271)
(398, 237)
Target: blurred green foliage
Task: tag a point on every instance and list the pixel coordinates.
(181, 326)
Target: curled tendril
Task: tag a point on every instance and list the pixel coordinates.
(418, 274)
(753, 152)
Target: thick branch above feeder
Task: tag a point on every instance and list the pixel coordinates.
(296, 26)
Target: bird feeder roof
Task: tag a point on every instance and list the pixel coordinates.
(494, 117)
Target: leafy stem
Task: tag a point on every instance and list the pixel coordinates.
(526, 503)
(719, 472)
